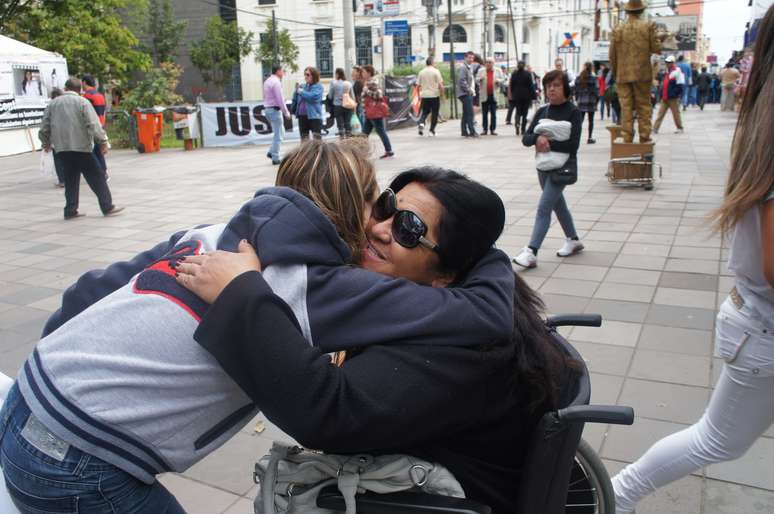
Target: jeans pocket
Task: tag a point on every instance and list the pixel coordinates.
(742, 343)
(30, 503)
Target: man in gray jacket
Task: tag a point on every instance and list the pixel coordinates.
(71, 127)
(465, 92)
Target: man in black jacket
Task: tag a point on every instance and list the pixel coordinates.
(703, 86)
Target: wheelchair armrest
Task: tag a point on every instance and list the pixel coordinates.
(617, 415)
(575, 320)
(401, 503)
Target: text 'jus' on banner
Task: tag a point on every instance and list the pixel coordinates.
(245, 123)
(402, 94)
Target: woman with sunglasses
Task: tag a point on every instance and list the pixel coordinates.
(309, 110)
(471, 408)
(143, 364)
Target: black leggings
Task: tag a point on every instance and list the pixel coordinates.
(590, 116)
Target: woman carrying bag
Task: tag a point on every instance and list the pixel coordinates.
(587, 96)
(553, 181)
(377, 110)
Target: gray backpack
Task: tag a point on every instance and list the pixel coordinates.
(290, 478)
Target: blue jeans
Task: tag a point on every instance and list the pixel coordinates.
(45, 475)
(378, 124)
(467, 122)
(552, 199)
(277, 127)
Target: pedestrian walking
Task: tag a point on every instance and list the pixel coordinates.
(741, 407)
(587, 97)
(430, 82)
(357, 90)
(466, 90)
(703, 81)
(728, 79)
(523, 91)
(685, 67)
(604, 103)
(631, 46)
(58, 167)
(309, 111)
(71, 126)
(553, 181)
(671, 90)
(715, 88)
(559, 65)
(275, 110)
(489, 78)
(611, 95)
(340, 94)
(377, 110)
(97, 100)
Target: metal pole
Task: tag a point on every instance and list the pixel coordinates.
(349, 37)
(384, 25)
(452, 63)
(436, 4)
(275, 60)
(513, 30)
(508, 38)
(492, 14)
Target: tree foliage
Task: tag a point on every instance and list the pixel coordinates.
(287, 50)
(156, 88)
(223, 47)
(163, 31)
(89, 34)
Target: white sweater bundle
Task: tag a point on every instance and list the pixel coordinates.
(557, 131)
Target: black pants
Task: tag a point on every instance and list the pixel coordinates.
(701, 98)
(74, 164)
(59, 167)
(590, 116)
(305, 125)
(489, 108)
(343, 120)
(430, 106)
(522, 109)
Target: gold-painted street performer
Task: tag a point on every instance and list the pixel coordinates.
(633, 42)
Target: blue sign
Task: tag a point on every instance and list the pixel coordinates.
(393, 27)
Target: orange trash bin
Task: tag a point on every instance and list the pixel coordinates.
(150, 126)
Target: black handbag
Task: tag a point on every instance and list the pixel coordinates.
(567, 174)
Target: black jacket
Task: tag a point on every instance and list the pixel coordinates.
(459, 406)
(522, 87)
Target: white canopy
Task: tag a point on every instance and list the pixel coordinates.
(14, 51)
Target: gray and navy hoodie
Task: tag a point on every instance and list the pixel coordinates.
(119, 374)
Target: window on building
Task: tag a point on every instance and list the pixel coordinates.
(227, 10)
(324, 51)
(525, 35)
(459, 2)
(267, 2)
(401, 48)
(499, 34)
(460, 36)
(363, 50)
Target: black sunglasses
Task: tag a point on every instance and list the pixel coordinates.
(408, 229)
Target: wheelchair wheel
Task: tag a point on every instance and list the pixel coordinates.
(590, 490)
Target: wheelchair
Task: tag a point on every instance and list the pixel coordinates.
(562, 473)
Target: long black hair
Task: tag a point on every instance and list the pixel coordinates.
(540, 367)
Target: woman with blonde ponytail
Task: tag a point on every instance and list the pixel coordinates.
(742, 405)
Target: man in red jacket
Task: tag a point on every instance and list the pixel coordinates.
(671, 90)
(97, 101)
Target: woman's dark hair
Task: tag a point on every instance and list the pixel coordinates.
(315, 74)
(541, 367)
(583, 78)
(472, 219)
(339, 74)
(558, 74)
(369, 69)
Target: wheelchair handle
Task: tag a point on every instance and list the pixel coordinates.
(576, 320)
(614, 414)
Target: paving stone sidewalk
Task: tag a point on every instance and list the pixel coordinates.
(650, 268)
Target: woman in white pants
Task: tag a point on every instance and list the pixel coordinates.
(742, 405)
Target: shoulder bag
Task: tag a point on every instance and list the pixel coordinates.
(347, 101)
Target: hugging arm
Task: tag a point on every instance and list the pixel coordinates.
(530, 138)
(571, 145)
(372, 402)
(97, 284)
(351, 307)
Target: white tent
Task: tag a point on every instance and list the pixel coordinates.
(27, 76)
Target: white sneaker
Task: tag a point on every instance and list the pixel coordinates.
(526, 259)
(679, 131)
(570, 247)
(421, 129)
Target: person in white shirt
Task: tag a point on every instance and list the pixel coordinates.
(430, 82)
(741, 407)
